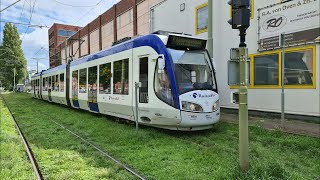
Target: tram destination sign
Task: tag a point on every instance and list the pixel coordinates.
(185, 43)
(297, 19)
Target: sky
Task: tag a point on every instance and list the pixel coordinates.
(45, 13)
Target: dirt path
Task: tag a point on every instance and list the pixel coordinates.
(290, 126)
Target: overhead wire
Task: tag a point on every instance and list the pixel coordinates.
(73, 5)
(93, 7)
(9, 6)
(31, 13)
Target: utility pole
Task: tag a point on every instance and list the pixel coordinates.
(37, 59)
(210, 28)
(241, 20)
(282, 44)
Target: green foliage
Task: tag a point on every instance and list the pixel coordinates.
(14, 162)
(157, 153)
(11, 56)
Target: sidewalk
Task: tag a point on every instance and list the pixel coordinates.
(290, 126)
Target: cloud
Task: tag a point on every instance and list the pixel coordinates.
(46, 13)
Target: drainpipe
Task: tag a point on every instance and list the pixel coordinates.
(210, 28)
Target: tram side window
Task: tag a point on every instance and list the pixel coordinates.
(53, 80)
(43, 84)
(56, 83)
(83, 81)
(105, 75)
(61, 82)
(74, 84)
(50, 84)
(92, 78)
(162, 86)
(46, 84)
(121, 77)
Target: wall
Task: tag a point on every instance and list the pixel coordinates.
(297, 101)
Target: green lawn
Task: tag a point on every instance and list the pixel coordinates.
(156, 153)
(14, 162)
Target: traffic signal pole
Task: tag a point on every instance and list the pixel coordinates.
(243, 105)
(241, 20)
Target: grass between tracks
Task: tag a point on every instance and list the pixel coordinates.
(14, 162)
(156, 153)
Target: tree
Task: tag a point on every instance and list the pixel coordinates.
(11, 57)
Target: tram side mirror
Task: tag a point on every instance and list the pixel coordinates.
(161, 62)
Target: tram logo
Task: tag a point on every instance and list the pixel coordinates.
(274, 23)
(195, 95)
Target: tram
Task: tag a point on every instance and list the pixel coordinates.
(175, 74)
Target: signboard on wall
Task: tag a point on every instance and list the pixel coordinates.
(298, 19)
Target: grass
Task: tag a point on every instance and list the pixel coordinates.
(14, 162)
(156, 153)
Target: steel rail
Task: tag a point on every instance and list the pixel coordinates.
(31, 157)
(105, 153)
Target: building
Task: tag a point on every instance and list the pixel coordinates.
(58, 33)
(127, 18)
(301, 22)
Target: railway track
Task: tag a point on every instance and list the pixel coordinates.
(30, 154)
(99, 149)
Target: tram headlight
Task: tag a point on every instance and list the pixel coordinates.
(188, 106)
(215, 106)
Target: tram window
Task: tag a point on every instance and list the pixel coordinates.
(162, 86)
(74, 84)
(266, 70)
(105, 78)
(83, 81)
(61, 82)
(92, 78)
(50, 83)
(43, 84)
(56, 83)
(121, 77)
(298, 69)
(143, 79)
(53, 80)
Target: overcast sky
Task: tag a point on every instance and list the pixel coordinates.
(47, 12)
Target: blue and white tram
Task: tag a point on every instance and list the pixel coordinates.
(177, 83)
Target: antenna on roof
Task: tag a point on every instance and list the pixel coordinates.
(166, 33)
(121, 41)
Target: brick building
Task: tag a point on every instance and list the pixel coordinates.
(127, 18)
(58, 33)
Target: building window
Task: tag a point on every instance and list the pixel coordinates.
(105, 78)
(266, 68)
(62, 32)
(71, 33)
(83, 81)
(202, 18)
(121, 77)
(61, 82)
(298, 67)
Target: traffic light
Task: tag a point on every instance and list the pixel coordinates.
(240, 14)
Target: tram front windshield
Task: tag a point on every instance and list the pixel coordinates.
(192, 70)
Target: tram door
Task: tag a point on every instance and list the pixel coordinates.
(75, 101)
(142, 76)
(92, 88)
